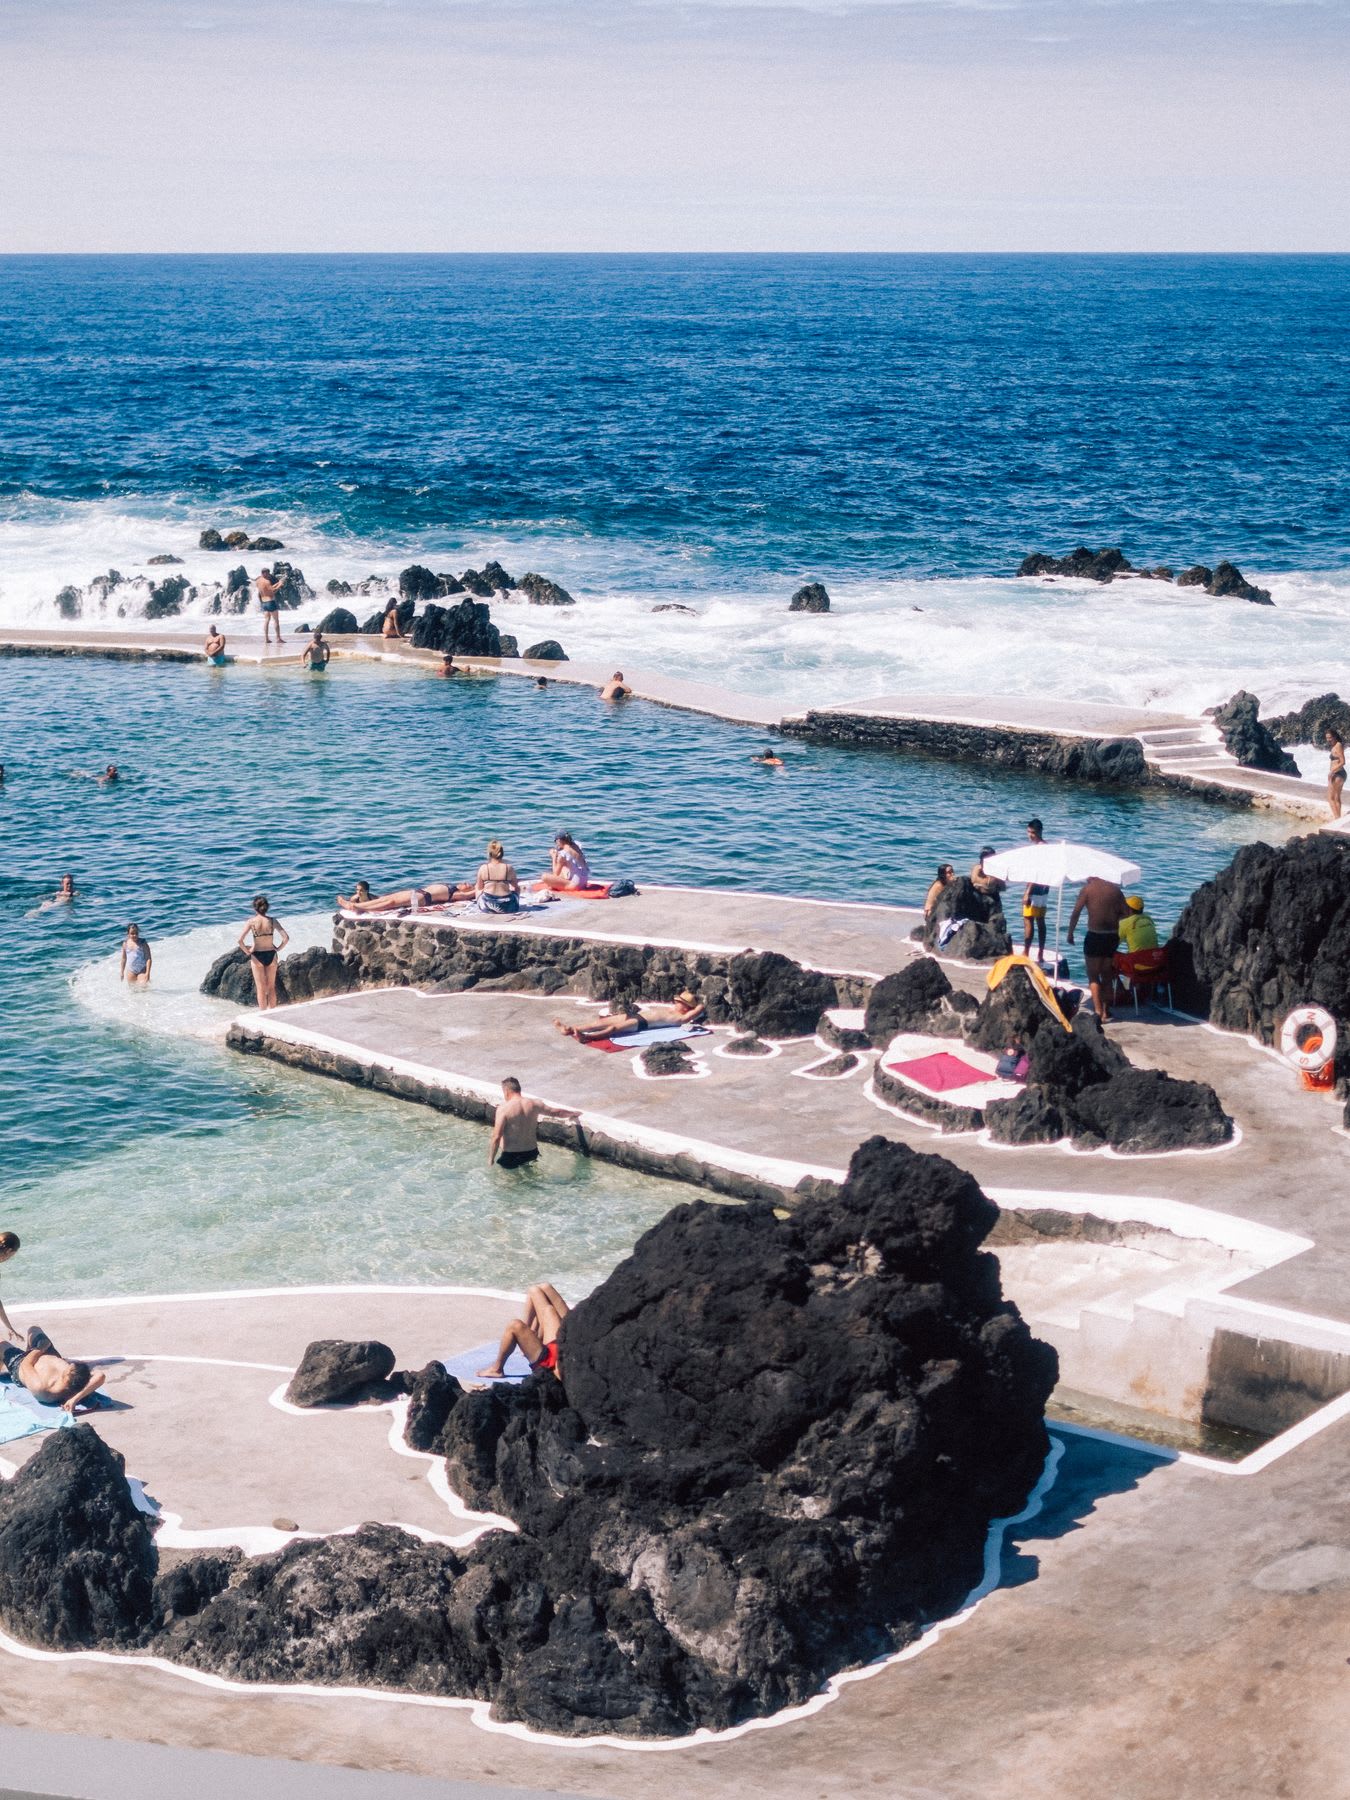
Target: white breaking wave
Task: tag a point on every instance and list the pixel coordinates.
(1132, 642)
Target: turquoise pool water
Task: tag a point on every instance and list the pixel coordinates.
(138, 1154)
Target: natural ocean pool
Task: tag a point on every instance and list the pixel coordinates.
(139, 1156)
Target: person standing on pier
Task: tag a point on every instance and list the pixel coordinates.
(269, 599)
(1034, 900)
(1336, 773)
(1105, 905)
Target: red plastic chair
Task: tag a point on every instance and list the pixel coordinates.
(1143, 972)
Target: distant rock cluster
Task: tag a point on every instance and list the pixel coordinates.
(138, 596)
(1226, 581)
(812, 598)
(211, 539)
(1310, 723)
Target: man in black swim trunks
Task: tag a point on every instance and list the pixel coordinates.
(40, 1367)
(1105, 905)
(515, 1130)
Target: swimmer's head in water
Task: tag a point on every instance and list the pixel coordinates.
(110, 773)
(260, 905)
(1034, 829)
(540, 681)
(67, 884)
(496, 851)
(9, 1244)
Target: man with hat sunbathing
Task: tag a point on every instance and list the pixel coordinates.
(684, 1009)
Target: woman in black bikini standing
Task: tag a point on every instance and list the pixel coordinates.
(267, 936)
(1336, 774)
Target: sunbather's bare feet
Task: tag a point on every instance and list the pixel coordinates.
(566, 1030)
(491, 1374)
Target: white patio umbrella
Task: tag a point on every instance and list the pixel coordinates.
(1057, 866)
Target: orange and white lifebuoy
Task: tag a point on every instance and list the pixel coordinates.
(1308, 1038)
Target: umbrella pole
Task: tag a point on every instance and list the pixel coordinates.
(1059, 916)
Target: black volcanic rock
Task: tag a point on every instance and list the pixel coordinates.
(918, 997)
(164, 558)
(810, 599)
(539, 591)
(1082, 563)
(496, 575)
(418, 583)
(70, 603)
(550, 650)
(474, 581)
(1199, 575)
(293, 589)
(265, 543)
(1247, 738)
(236, 540)
(211, 539)
(77, 1561)
(1229, 583)
(333, 1369)
(340, 590)
(168, 596)
(668, 1059)
(984, 934)
(770, 996)
(775, 1454)
(748, 1046)
(306, 975)
(465, 629)
(338, 622)
(1268, 933)
(1309, 724)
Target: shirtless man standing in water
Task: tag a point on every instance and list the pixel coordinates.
(515, 1130)
(1106, 906)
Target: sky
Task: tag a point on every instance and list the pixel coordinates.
(695, 125)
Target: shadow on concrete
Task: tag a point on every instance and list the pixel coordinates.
(1090, 1469)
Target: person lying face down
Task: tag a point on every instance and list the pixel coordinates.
(39, 1366)
(684, 1009)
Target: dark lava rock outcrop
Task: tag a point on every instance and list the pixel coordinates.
(668, 1059)
(336, 1369)
(773, 997)
(211, 539)
(918, 997)
(812, 598)
(1309, 724)
(307, 975)
(1226, 582)
(77, 1564)
(464, 630)
(539, 591)
(167, 597)
(1085, 564)
(550, 650)
(1229, 583)
(338, 622)
(775, 1453)
(1246, 738)
(982, 934)
(1268, 933)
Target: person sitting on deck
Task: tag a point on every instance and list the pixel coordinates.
(497, 886)
(39, 1366)
(389, 625)
(685, 1009)
(1137, 930)
(989, 885)
(945, 876)
(535, 1335)
(569, 866)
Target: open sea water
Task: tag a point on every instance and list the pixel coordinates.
(713, 431)
(706, 430)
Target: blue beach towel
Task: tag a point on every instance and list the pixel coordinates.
(22, 1414)
(466, 1365)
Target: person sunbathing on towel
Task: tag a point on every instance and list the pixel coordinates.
(535, 1335)
(684, 1009)
(435, 893)
(39, 1366)
(569, 866)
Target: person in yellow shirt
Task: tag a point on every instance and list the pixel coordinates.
(1137, 930)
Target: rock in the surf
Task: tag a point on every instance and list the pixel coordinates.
(1310, 723)
(676, 606)
(211, 539)
(167, 597)
(264, 543)
(1229, 583)
(163, 559)
(336, 1369)
(340, 590)
(810, 599)
(70, 603)
(306, 975)
(550, 650)
(77, 1559)
(1082, 563)
(1247, 739)
(338, 623)
(540, 591)
(292, 590)
(419, 583)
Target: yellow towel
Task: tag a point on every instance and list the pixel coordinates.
(1039, 980)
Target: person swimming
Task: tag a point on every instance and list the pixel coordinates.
(266, 938)
(616, 688)
(769, 758)
(448, 665)
(569, 869)
(135, 962)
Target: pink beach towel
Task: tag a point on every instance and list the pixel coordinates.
(939, 1072)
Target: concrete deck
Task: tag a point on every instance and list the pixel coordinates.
(1182, 750)
(1167, 1628)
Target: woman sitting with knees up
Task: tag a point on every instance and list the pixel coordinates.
(535, 1335)
(569, 866)
(497, 886)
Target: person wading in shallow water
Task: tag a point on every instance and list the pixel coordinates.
(264, 937)
(1106, 906)
(134, 967)
(515, 1130)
